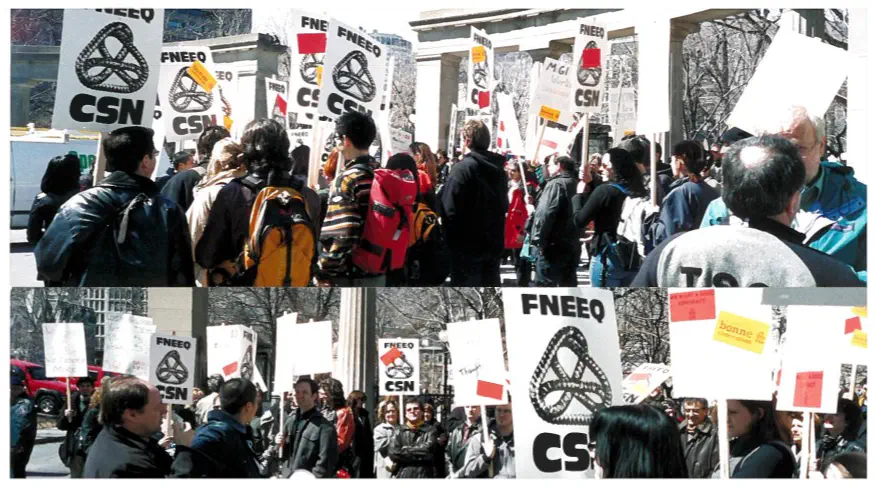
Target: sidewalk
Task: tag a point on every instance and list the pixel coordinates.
(47, 436)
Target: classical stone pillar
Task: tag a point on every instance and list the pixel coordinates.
(19, 109)
(357, 344)
(678, 31)
(437, 90)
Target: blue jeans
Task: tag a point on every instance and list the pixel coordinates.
(615, 275)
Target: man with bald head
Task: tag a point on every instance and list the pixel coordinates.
(764, 179)
(833, 203)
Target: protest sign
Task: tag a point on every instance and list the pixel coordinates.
(64, 348)
(308, 54)
(565, 366)
(481, 64)
(305, 349)
(479, 373)
(769, 92)
(508, 134)
(398, 366)
(187, 108)
(639, 384)
(553, 140)
(227, 91)
(126, 344)
(276, 99)
(299, 137)
(284, 376)
(108, 68)
(172, 367)
(653, 108)
(355, 66)
(729, 354)
(587, 79)
(451, 134)
(231, 351)
(552, 94)
(400, 141)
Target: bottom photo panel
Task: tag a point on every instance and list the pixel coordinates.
(438, 383)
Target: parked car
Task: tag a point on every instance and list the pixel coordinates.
(50, 394)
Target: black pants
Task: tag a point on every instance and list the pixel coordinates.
(18, 464)
(557, 268)
(475, 270)
(523, 269)
(77, 465)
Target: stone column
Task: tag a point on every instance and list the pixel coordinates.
(357, 345)
(554, 50)
(678, 31)
(805, 21)
(857, 118)
(19, 110)
(437, 90)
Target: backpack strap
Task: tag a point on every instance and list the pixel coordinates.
(624, 190)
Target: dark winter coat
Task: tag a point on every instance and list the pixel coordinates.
(553, 225)
(228, 223)
(89, 430)
(180, 189)
(829, 447)
(683, 209)
(753, 458)
(415, 452)
(119, 453)
(311, 444)
(71, 438)
(161, 181)
(363, 443)
(220, 449)
(42, 212)
(23, 422)
(602, 206)
(455, 451)
(700, 449)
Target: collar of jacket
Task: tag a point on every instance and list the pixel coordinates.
(562, 174)
(777, 229)
(129, 181)
(226, 418)
(364, 159)
(704, 428)
(120, 432)
(313, 412)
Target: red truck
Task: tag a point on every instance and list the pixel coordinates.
(50, 394)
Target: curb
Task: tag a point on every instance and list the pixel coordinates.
(48, 439)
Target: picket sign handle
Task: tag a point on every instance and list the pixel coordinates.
(805, 448)
(723, 440)
(540, 137)
(653, 186)
(313, 168)
(100, 162)
(486, 435)
(69, 395)
(852, 377)
(523, 178)
(282, 420)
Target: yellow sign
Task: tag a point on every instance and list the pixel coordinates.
(202, 76)
(478, 54)
(549, 114)
(860, 311)
(319, 75)
(859, 339)
(741, 332)
(227, 122)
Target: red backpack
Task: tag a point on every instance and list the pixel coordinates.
(385, 238)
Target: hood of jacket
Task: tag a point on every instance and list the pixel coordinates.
(489, 162)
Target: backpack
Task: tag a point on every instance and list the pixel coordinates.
(386, 233)
(281, 245)
(428, 254)
(631, 229)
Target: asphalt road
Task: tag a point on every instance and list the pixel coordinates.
(45, 463)
(22, 265)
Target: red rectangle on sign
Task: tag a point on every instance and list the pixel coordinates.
(692, 305)
(483, 99)
(230, 369)
(311, 43)
(490, 390)
(807, 390)
(853, 324)
(550, 144)
(281, 104)
(591, 58)
(390, 356)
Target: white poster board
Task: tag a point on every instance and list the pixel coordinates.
(653, 109)
(64, 348)
(284, 364)
(400, 141)
(554, 140)
(231, 351)
(355, 65)
(508, 134)
(451, 134)
(587, 79)
(398, 366)
(565, 366)
(172, 367)
(713, 328)
(479, 373)
(481, 64)
(307, 53)
(309, 346)
(552, 99)
(187, 108)
(127, 340)
(108, 68)
(277, 100)
(643, 380)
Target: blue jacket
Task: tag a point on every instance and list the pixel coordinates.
(221, 448)
(23, 425)
(842, 199)
(683, 209)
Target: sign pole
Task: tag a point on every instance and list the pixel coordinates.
(653, 186)
(585, 140)
(540, 137)
(282, 420)
(523, 178)
(485, 434)
(805, 451)
(724, 441)
(852, 377)
(69, 395)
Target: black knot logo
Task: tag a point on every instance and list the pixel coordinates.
(589, 68)
(309, 66)
(246, 364)
(593, 396)
(352, 77)
(400, 368)
(187, 96)
(94, 71)
(481, 74)
(171, 369)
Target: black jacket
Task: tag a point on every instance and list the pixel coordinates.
(79, 248)
(473, 204)
(71, 438)
(363, 443)
(415, 452)
(42, 212)
(750, 458)
(456, 448)
(180, 189)
(601, 205)
(119, 453)
(228, 223)
(700, 449)
(829, 447)
(222, 448)
(553, 225)
(89, 430)
(162, 180)
(311, 444)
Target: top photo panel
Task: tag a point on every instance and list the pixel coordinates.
(459, 147)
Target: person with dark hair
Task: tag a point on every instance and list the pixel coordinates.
(91, 425)
(763, 178)
(699, 438)
(334, 408)
(209, 403)
(443, 169)
(180, 162)
(472, 208)
(495, 455)
(311, 442)
(639, 147)
(121, 232)
(636, 441)
(180, 188)
(848, 465)
(760, 447)
(221, 448)
(430, 420)
(70, 421)
(363, 435)
(414, 450)
(348, 199)
(515, 223)
(459, 439)
(131, 413)
(553, 230)
(59, 183)
(603, 206)
(23, 425)
(840, 433)
(300, 164)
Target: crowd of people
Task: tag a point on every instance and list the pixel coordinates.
(240, 213)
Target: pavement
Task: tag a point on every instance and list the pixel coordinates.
(44, 461)
(22, 265)
(50, 435)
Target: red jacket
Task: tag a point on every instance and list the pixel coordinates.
(516, 219)
(346, 427)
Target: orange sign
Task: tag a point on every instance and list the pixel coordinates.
(319, 75)
(741, 332)
(478, 54)
(202, 76)
(859, 339)
(548, 113)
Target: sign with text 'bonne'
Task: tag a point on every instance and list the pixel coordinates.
(353, 72)
(172, 367)
(399, 366)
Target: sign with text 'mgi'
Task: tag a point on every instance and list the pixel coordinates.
(481, 64)
(551, 101)
(308, 54)
(64, 348)
(231, 351)
(564, 359)
(721, 344)
(186, 107)
(479, 373)
(172, 367)
(398, 365)
(301, 349)
(108, 68)
(643, 381)
(354, 69)
(276, 99)
(126, 344)
(589, 70)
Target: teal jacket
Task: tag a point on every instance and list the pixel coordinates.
(838, 224)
